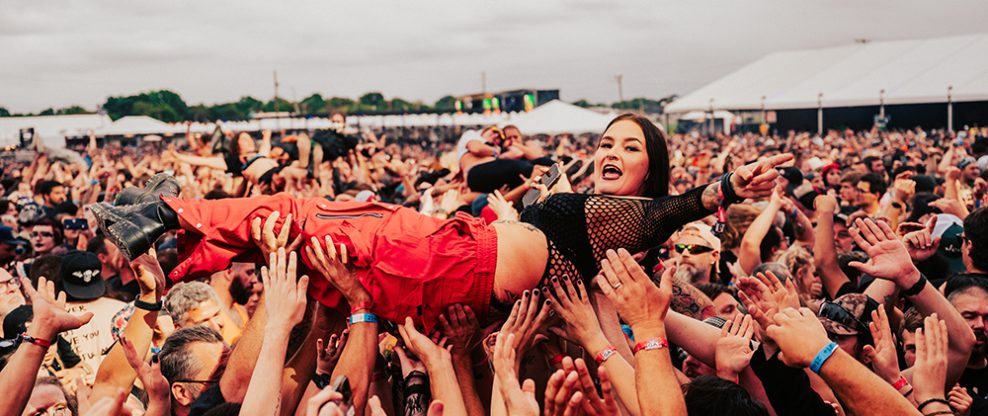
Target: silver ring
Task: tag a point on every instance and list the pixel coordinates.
(617, 286)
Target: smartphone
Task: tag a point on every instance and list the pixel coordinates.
(342, 386)
(549, 180)
(75, 224)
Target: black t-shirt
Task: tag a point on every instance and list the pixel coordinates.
(210, 398)
(976, 382)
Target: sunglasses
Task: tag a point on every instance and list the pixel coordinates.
(48, 234)
(838, 314)
(692, 248)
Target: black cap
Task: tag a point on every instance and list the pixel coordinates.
(16, 321)
(80, 273)
(793, 175)
(7, 236)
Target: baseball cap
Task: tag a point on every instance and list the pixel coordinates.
(949, 229)
(7, 236)
(80, 273)
(965, 161)
(848, 314)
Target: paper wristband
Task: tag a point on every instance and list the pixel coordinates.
(362, 317)
(651, 344)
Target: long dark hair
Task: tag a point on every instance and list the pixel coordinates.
(657, 178)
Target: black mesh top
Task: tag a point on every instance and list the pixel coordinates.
(581, 228)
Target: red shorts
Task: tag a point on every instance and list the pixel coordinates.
(413, 265)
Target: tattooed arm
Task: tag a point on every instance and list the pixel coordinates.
(690, 301)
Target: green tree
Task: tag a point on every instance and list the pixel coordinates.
(373, 101)
(163, 104)
(249, 105)
(313, 104)
(282, 105)
(4, 112)
(446, 103)
(74, 109)
(47, 112)
(341, 104)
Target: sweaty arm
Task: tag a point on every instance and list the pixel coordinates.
(749, 254)
(825, 255)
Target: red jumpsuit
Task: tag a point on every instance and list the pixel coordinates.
(413, 265)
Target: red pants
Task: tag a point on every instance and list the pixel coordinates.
(413, 265)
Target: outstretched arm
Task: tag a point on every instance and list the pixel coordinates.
(824, 251)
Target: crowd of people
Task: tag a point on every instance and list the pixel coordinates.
(634, 272)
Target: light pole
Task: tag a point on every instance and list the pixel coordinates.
(819, 114)
(950, 108)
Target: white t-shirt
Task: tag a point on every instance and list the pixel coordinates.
(467, 137)
(92, 339)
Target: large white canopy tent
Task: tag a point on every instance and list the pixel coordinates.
(864, 74)
(557, 117)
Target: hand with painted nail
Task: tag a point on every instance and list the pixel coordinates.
(573, 306)
(527, 319)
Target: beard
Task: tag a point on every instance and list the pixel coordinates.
(690, 272)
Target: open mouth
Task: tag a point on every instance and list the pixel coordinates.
(610, 172)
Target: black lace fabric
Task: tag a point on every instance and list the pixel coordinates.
(581, 228)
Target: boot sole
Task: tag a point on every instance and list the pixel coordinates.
(121, 232)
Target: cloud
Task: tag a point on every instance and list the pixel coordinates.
(63, 53)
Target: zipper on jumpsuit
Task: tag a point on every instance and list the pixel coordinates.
(344, 217)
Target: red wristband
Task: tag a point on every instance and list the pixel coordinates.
(558, 359)
(900, 383)
(651, 344)
(361, 306)
(43, 343)
(605, 354)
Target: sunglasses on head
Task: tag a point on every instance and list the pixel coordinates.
(838, 314)
(692, 248)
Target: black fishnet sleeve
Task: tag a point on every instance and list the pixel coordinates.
(638, 225)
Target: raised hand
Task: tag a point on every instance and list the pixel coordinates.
(328, 353)
(596, 404)
(155, 385)
(636, 298)
(266, 239)
(408, 364)
(733, 351)
(50, 317)
(888, 257)
(147, 270)
(424, 348)
(526, 321)
(757, 180)
(518, 399)
(573, 305)
(331, 262)
(562, 394)
(501, 207)
(461, 328)
(799, 334)
(930, 368)
(284, 298)
(920, 243)
(884, 360)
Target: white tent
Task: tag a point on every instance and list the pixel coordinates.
(557, 117)
(51, 129)
(910, 72)
(139, 125)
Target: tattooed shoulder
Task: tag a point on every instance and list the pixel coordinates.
(525, 225)
(711, 196)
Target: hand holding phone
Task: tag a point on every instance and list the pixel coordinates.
(548, 180)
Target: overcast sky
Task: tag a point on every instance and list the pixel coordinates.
(59, 53)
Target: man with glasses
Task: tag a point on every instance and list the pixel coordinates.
(189, 359)
(45, 236)
(698, 252)
(10, 296)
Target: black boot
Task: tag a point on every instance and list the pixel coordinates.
(135, 228)
(161, 184)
